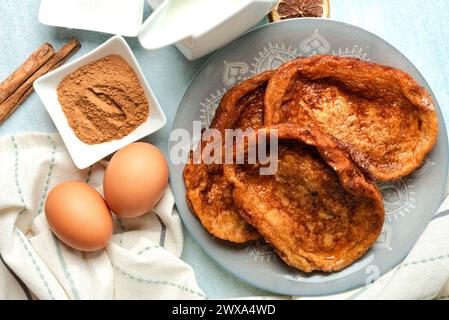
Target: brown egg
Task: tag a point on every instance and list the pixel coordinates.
(135, 179)
(79, 216)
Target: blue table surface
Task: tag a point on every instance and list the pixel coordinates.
(419, 29)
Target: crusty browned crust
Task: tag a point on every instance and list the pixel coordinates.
(209, 194)
(381, 116)
(318, 210)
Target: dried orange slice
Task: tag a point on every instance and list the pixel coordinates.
(287, 9)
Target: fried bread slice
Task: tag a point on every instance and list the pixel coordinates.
(208, 193)
(380, 115)
(318, 210)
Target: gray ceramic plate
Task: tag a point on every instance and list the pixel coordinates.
(410, 203)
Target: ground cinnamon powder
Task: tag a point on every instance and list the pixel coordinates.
(103, 100)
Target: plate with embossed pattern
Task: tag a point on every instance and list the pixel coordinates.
(410, 202)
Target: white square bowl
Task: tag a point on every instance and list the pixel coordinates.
(83, 154)
(122, 17)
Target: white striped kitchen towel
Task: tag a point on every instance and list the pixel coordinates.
(140, 262)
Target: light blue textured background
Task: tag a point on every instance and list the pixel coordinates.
(418, 28)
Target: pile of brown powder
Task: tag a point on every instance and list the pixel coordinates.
(103, 100)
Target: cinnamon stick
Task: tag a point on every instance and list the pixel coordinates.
(26, 88)
(31, 64)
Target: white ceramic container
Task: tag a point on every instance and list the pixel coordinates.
(122, 17)
(198, 27)
(83, 154)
